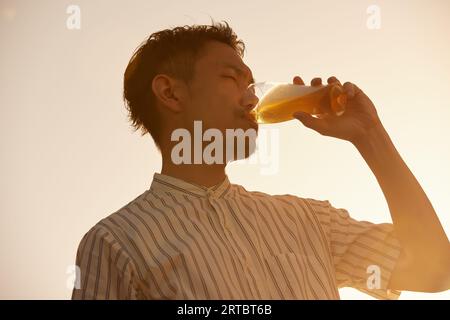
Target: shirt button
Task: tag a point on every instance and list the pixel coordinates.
(227, 225)
(210, 194)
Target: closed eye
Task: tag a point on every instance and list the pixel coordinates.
(231, 78)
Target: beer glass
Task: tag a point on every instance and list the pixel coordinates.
(278, 100)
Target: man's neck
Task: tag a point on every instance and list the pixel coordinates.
(200, 174)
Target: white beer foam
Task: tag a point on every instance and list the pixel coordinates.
(285, 91)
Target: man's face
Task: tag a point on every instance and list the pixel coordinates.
(219, 94)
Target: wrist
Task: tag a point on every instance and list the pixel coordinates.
(376, 147)
(375, 134)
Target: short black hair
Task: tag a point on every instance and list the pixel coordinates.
(172, 52)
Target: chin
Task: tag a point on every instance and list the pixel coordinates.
(248, 124)
(248, 151)
(247, 143)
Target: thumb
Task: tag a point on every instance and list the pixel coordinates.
(319, 125)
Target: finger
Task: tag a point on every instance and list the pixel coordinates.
(298, 80)
(319, 125)
(332, 80)
(349, 89)
(356, 90)
(316, 81)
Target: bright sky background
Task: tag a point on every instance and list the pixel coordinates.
(69, 157)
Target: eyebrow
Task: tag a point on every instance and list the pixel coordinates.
(240, 71)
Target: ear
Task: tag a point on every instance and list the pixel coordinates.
(170, 92)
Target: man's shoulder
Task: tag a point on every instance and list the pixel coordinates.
(288, 198)
(118, 225)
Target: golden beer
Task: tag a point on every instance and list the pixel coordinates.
(283, 99)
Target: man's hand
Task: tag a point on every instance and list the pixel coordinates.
(424, 264)
(359, 117)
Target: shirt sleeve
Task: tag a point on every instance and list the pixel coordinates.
(364, 254)
(104, 270)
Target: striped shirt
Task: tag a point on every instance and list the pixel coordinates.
(179, 240)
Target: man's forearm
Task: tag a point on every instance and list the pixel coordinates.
(415, 221)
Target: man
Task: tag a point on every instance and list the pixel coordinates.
(195, 235)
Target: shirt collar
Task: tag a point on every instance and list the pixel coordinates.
(172, 184)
